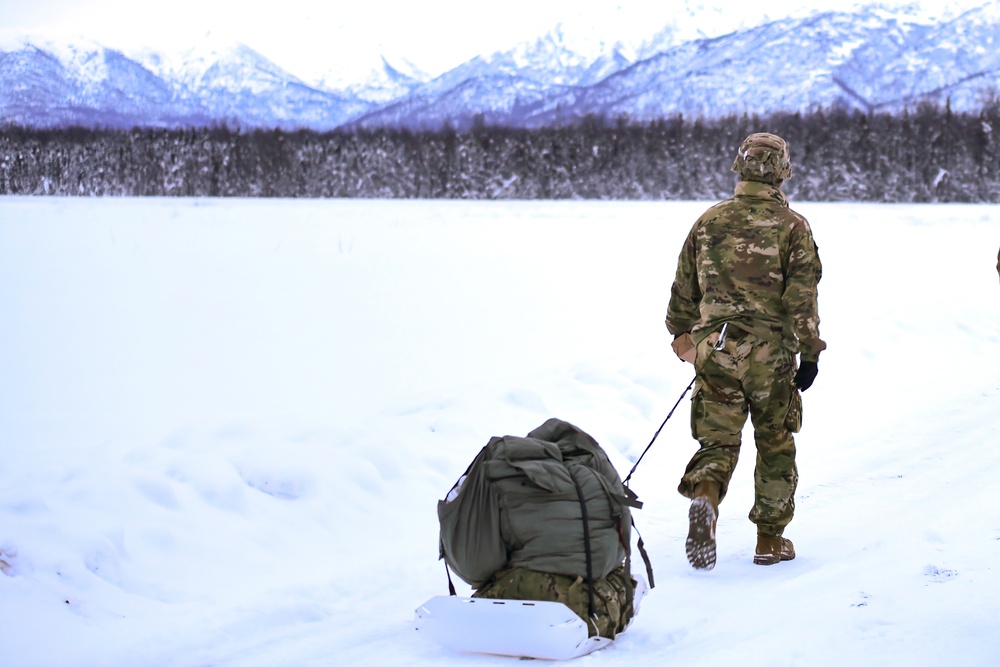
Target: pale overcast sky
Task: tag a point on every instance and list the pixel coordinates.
(308, 37)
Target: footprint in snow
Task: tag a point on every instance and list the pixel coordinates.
(939, 575)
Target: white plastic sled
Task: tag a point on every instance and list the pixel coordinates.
(517, 628)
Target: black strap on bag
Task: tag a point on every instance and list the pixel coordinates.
(645, 557)
(591, 609)
(447, 572)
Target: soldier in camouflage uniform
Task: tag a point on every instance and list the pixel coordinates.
(743, 303)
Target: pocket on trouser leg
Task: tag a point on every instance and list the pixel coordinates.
(697, 410)
(793, 418)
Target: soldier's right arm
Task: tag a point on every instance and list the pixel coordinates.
(685, 294)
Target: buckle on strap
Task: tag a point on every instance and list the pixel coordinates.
(719, 344)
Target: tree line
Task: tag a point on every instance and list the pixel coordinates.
(929, 154)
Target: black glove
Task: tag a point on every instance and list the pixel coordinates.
(805, 375)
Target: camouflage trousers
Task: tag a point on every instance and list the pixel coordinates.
(613, 595)
(748, 375)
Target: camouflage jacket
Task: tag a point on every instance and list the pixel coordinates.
(752, 261)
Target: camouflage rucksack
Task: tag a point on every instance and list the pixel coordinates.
(550, 502)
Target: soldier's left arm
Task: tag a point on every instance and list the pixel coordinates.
(683, 310)
(802, 275)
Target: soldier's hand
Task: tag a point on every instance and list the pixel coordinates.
(806, 374)
(684, 347)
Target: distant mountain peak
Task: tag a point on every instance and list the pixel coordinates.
(403, 70)
(385, 81)
(191, 63)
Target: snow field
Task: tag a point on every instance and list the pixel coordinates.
(225, 425)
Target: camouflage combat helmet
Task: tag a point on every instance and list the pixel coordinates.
(763, 157)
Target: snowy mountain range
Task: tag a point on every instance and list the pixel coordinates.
(868, 59)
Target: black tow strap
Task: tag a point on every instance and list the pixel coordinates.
(630, 494)
(655, 435)
(717, 346)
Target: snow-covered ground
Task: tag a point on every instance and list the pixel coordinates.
(225, 425)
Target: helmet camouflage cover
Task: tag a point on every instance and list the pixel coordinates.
(763, 157)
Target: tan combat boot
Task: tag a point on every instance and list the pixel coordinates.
(700, 544)
(773, 549)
